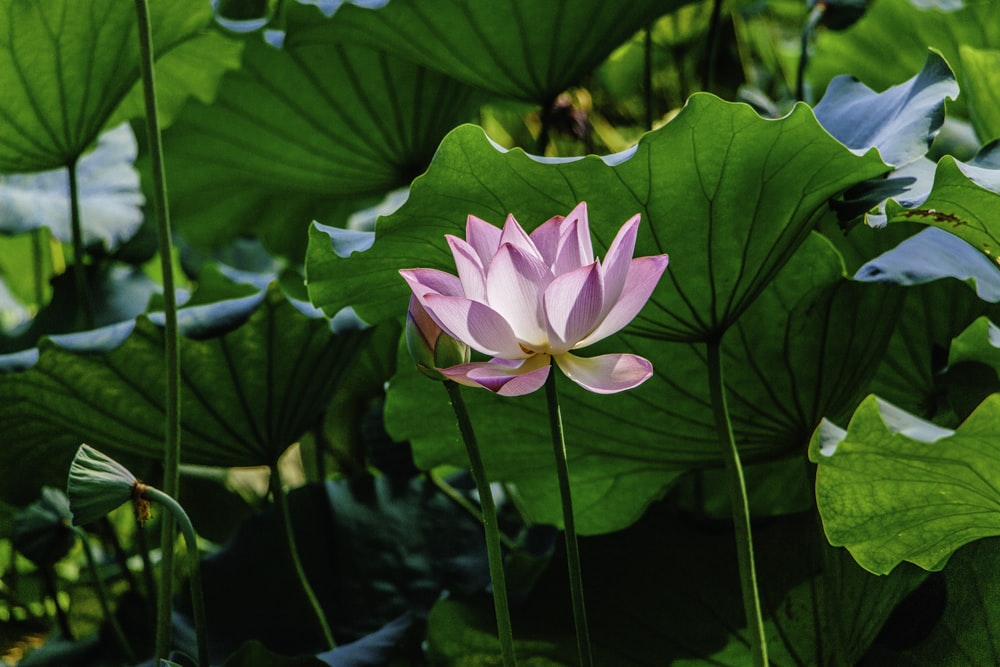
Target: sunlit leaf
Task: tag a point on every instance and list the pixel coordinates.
(727, 194)
(981, 85)
(65, 67)
(894, 488)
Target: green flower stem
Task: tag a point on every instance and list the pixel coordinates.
(740, 507)
(103, 598)
(494, 551)
(194, 565)
(79, 268)
(455, 496)
(281, 505)
(171, 351)
(572, 547)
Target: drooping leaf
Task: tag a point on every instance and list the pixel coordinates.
(963, 198)
(931, 255)
(894, 488)
(110, 198)
(64, 68)
(520, 49)
(727, 194)
(901, 121)
(304, 132)
(903, 30)
(784, 372)
(256, 372)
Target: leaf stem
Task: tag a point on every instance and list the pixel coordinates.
(281, 505)
(712, 47)
(103, 598)
(572, 546)
(494, 549)
(52, 590)
(740, 506)
(38, 272)
(194, 565)
(171, 351)
(79, 268)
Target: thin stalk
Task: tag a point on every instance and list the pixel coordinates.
(712, 47)
(740, 507)
(572, 546)
(455, 496)
(79, 268)
(103, 598)
(647, 75)
(38, 272)
(281, 504)
(171, 351)
(815, 16)
(52, 590)
(494, 550)
(194, 566)
(543, 137)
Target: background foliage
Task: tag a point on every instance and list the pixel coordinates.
(839, 236)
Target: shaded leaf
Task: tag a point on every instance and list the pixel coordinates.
(373, 549)
(895, 488)
(911, 372)
(65, 68)
(520, 49)
(305, 132)
(966, 632)
(651, 603)
(245, 397)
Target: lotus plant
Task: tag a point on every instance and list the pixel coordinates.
(527, 301)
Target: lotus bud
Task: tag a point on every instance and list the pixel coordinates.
(430, 347)
(98, 484)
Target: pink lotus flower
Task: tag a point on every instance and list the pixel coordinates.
(525, 299)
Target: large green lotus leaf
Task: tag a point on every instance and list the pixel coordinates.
(728, 194)
(65, 66)
(521, 49)
(981, 84)
(297, 131)
(784, 372)
(894, 488)
(256, 372)
(902, 31)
